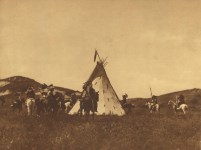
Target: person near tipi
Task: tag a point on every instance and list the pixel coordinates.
(106, 101)
(124, 101)
(83, 97)
(94, 96)
(89, 94)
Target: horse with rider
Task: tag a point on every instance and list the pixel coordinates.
(89, 99)
(153, 105)
(125, 105)
(178, 104)
(18, 102)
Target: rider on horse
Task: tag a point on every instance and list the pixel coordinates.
(180, 100)
(17, 102)
(124, 102)
(30, 93)
(89, 96)
(154, 101)
(18, 99)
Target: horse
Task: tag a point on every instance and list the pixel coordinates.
(182, 107)
(49, 103)
(128, 107)
(30, 103)
(89, 104)
(54, 102)
(17, 105)
(152, 107)
(67, 106)
(71, 102)
(41, 105)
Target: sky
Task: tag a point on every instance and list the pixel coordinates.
(149, 43)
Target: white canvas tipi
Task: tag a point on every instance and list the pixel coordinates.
(108, 103)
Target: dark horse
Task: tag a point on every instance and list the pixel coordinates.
(41, 105)
(41, 102)
(127, 107)
(17, 104)
(49, 103)
(54, 103)
(89, 104)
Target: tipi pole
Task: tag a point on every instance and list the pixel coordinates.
(151, 92)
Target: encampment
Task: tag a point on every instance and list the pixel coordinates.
(108, 103)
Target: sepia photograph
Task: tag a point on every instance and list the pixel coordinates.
(100, 75)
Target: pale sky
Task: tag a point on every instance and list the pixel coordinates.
(153, 43)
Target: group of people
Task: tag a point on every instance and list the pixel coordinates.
(89, 98)
(180, 99)
(48, 94)
(37, 97)
(47, 91)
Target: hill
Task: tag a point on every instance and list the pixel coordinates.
(16, 84)
(12, 85)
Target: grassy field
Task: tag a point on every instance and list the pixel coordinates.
(139, 130)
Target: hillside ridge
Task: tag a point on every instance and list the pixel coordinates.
(15, 84)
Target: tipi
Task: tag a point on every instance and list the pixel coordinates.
(108, 103)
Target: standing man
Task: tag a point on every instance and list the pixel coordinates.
(84, 96)
(94, 97)
(51, 97)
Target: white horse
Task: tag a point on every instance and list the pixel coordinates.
(152, 108)
(67, 107)
(30, 103)
(182, 107)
